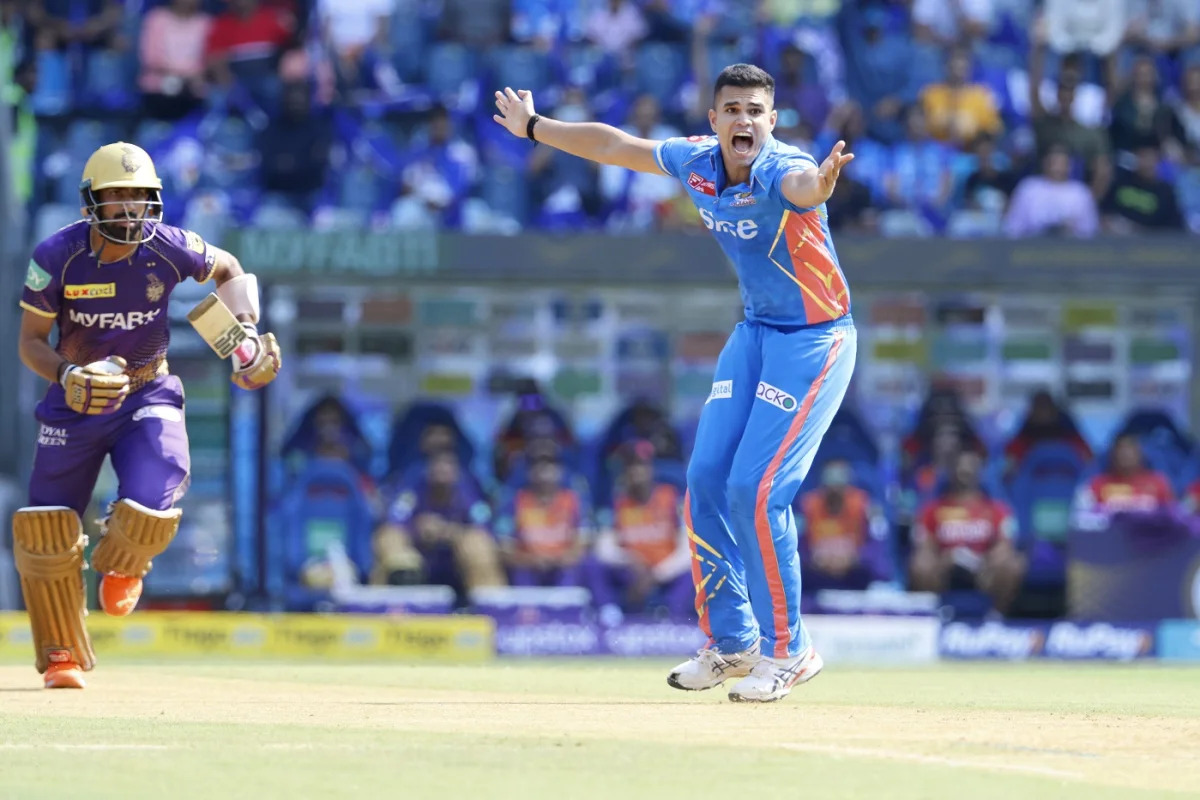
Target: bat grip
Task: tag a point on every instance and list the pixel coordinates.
(245, 353)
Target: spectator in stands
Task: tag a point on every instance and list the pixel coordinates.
(1052, 203)
(958, 111)
(356, 34)
(295, 148)
(544, 531)
(634, 197)
(877, 61)
(244, 46)
(533, 421)
(1072, 26)
(1163, 26)
(444, 522)
(1127, 485)
(1140, 118)
(1139, 201)
(990, 185)
(663, 24)
(537, 22)
(1187, 110)
(919, 174)
(794, 92)
(642, 549)
(851, 207)
(87, 22)
(966, 540)
(951, 22)
(479, 24)
(1060, 125)
(442, 169)
(565, 188)
(1046, 421)
(841, 532)
(172, 45)
(616, 27)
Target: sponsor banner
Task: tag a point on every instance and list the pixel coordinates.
(874, 640)
(1074, 641)
(1179, 640)
(292, 636)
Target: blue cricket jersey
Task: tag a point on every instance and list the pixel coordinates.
(787, 269)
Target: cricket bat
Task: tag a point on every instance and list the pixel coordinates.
(217, 326)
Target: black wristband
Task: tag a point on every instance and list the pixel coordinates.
(529, 128)
(63, 368)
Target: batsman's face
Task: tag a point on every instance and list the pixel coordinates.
(742, 119)
(122, 211)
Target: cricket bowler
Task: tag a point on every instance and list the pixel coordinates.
(105, 282)
(779, 379)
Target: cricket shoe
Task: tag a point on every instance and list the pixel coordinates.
(711, 668)
(63, 673)
(119, 594)
(772, 679)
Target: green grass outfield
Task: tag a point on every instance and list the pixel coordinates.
(588, 729)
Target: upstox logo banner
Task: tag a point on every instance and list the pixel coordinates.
(776, 396)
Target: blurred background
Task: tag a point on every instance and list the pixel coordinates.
(496, 354)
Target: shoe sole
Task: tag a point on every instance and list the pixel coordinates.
(805, 676)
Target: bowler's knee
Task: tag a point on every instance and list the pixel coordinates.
(706, 479)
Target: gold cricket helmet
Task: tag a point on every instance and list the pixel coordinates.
(122, 165)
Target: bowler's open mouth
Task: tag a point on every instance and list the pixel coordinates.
(743, 142)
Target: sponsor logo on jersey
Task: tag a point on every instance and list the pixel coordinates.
(743, 199)
(115, 321)
(50, 436)
(702, 186)
(194, 242)
(89, 291)
(721, 390)
(776, 397)
(743, 229)
(36, 278)
(155, 289)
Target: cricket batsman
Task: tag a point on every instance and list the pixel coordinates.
(779, 379)
(105, 282)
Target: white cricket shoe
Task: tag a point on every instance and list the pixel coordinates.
(710, 668)
(772, 678)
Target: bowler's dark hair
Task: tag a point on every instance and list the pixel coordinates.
(744, 76)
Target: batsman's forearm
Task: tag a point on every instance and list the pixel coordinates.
(40, 357)
(594, 141)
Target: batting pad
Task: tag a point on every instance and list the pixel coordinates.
(48, 550)
(133, 536)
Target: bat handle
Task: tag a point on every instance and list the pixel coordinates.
(245, 353)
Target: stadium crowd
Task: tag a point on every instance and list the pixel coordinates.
(968, 117)
(984, 524)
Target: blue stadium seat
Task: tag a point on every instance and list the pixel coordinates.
(52, 216)
(520, 67)
(324, 503)
(660, 71)
(52, 95)
(450, 66)
(408, 40)
(506, 191)
(360, 189)
(587, 66)
(107, 78)
(279, 216)
(403, 449)
(1043, 489)
(152, 134)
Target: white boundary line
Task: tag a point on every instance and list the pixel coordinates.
(920, 758)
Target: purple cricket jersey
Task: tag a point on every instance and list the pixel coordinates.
(116, 309)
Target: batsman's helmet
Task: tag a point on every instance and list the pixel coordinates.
(121, 165)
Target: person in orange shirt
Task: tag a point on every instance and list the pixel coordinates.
(966, 540)
(842, 534)
(641, 551)
(1126, 486)
(543, 530)
(957, 111)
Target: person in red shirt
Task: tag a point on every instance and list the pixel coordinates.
(965, 540)
(1045, 422)
(543, 531)
(642, 548)
(1126, 486)
(247, 33)
(839, 530)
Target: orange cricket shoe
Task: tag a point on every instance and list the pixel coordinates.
(64, 675)
(119, 594)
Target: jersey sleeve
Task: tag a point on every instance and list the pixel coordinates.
(671, 154)
(796, 161)
(192, 256)
(42, 294)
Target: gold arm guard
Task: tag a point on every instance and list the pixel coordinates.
(48, 550)
(133, 536)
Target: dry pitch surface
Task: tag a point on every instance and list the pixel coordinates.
(599, 730)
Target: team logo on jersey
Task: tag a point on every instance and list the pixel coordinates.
(701, 185)
(155, 289)
(776, 397)
(194, 242)
(89, 291)
(743, 199)
(721, 390)
(36, 278)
